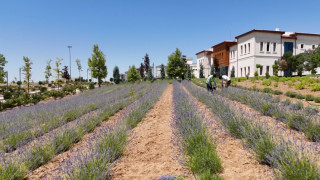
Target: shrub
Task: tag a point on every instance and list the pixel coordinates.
(286, 102)
(267, 75)
(267, 90)
(300, 86)
(256, 74)
(315, 87)
(312, 110)
(300, 96)
(266, 82)
(43, 89)
(291, 94)
(317, 99)
(277, 92)
(309, 97)
(296, 106)
(91, 85)
(7, 95)
(276, 84)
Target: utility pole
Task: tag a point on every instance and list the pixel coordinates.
(70, 60)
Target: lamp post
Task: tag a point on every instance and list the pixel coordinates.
(70, 59)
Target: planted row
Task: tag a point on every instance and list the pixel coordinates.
(51, 117)
(28, 159)
(296, 118)
(109, 145)
(194, 137)
(288, 161)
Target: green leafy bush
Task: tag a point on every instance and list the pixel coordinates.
(315, 87)
(300, 96)
(7, 95)
(309, 97)
(317, 99)
(266, 82)
(291, 94)
(267, 75)
(43, 89)
(300, 86)
(277, 92)
(91, 85)
(267, 90)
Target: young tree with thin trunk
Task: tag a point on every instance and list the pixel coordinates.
(3, 62)
(201, 71)
(141, 70)
(47, 72)
(27, 70)
(176, 65)
(97, 64)
(79, 68)
(57, 70)
(146, 63)
(133, 74)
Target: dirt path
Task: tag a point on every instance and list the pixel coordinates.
(150, 152)
(53, 170)
(237, 162)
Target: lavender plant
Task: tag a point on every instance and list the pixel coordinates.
(288, 161)
(109, 145)
(195, 139)
(44, 150)
(29, 123)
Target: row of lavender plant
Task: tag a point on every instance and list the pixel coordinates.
(288, 161)
(109, 145)
(49, 117)
(28, 159)
(295, 116)
(193, 136)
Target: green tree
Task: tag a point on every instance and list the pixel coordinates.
(133, 74)
(275, 68)
(176, 65)
(201, 71)
(146, 63)
(3, 62)
(58, 71)
(27, 70)
(97, 64)
(222, 70)
(79, 67)
(290, 63)
(212, 70)
(189, 72)
(150, 75)
(141, 70)
(47, 72)
(116, 75)
(232, 72)
(162, 72)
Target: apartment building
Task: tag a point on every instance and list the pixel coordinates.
(221, 56)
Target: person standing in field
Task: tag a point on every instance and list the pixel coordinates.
(225, 79)
(211, 83)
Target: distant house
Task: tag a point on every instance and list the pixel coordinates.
(220, 56)
(205, 58)
(158, 71)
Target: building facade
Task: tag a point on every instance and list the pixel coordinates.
(158, 71)
(221, 57)
(205, 58)
(264, 47)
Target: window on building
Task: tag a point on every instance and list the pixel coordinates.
(261, 69)
(302, 46)
(241, 50)
(274, 47)
(261, 46)
(248, 47)
(245, 49)
(313, 46)
(268, 46)
(267, 69)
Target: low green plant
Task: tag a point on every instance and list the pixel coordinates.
(309, 97)
(315, 87)
(267, 90)
(7, 95)
(317, 99)
(277, 92)
(276, 84)
(267, 82)
(300, 96)
(300, 86)
(91, 85)
(291, 94)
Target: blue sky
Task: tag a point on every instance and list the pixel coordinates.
(126, 30)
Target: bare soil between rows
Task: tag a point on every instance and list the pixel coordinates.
(150, 152)
(237, 161)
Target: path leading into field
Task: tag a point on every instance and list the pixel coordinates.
(237, 162)
(150, 152)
